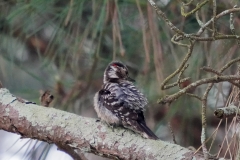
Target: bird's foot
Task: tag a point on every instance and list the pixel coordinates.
(113, 126)
(98, 120)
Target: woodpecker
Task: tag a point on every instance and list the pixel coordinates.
(120, 103)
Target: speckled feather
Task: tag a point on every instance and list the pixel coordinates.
(120, 103)
(124, 92)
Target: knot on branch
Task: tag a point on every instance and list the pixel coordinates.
(227, 112)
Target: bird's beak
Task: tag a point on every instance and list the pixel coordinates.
(130, 79)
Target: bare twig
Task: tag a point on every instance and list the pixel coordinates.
(176, 83)
(229, 64)
(200, 31)
(190, 48)
(215, 37)
(216, 79)
(194, 10)
(180, 74)
(188, 3)
(195, 96)
(175, 37)
(204, 120)
(69, 13)
(163, 16)
(208, 69)
(172, 133)
(146, 48)
(214, 16)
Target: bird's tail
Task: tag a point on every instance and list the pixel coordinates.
(138, 124)
(146, 132)
(141, 128)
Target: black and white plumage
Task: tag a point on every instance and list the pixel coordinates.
(120, 103)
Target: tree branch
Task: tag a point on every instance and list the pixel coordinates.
(75, 134)
(227, 112)
(215, 79)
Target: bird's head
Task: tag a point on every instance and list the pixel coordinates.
(115, 72)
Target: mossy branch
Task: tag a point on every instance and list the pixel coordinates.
(76, 135)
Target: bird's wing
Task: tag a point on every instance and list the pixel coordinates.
(127, 102)
(115, 95)
(133, 98)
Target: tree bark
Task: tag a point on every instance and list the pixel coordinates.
(75, 134)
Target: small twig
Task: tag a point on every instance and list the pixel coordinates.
(194, 10)
(215, 38)
(214, 16)
(175, 83)
(187, 4)
(201, 24)
(190, 48)
(204, 120)
(227, 131)
(180, 74)
(143, 27)
(173, 39)
(161, 14)
(114, 29)
(208, 69)
(200, 31)
(232, 28)
(214, 135)
(69, 13)
(233, 138)
(238, 82)
(195, 96)
(214, 132)
(229, 64)
(119, 36)
(172, 133)
(215, 79)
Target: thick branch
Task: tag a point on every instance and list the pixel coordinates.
(75, 134)
(227, 112)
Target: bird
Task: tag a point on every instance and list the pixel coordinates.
(120, 103)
